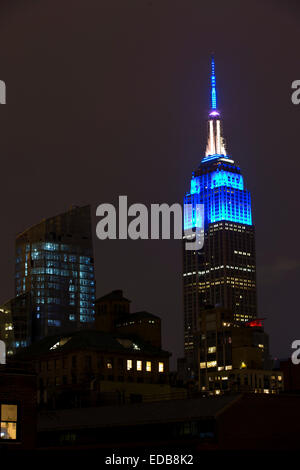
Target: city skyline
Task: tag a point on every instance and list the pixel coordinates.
(143, 106)
(150, 259)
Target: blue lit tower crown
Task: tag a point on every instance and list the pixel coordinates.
(223, 272)
(218, 183)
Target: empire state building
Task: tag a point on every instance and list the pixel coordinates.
(223, 272)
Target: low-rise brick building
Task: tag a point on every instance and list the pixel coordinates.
(119, 361)
(17, 408)
(113, 316)
(94, 367)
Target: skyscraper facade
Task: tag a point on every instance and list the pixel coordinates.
(223, 272)
(55, 264)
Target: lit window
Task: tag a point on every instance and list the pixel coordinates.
(212, 349)
(243, 365)
(148, 366)
(160, 367)
(109, 365)
(129, 364)
(8, 420)
(228, 367)
(138, 365)
(211, 363)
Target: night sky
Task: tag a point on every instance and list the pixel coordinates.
(109, 98)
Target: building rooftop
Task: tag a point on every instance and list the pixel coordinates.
(91, 340)
(139, 316)
(73, 209)
(114, 295)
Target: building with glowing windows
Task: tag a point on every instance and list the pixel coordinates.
(120, 360)
(223, 272)
(15, 323)
(234, 356)
(55, 264)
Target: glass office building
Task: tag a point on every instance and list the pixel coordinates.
(54, 262)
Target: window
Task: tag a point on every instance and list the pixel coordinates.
(100, 362)
(129, 364)
(8, 429)
(211, 364)
(120, 363)
(88, 362)
(160, 367)
(148, 366)
(139, 365)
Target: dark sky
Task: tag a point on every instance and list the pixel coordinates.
(109, 98)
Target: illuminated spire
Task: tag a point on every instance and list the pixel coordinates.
(215, 142)
(213, 91)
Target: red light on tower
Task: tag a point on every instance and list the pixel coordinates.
(257, 322)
